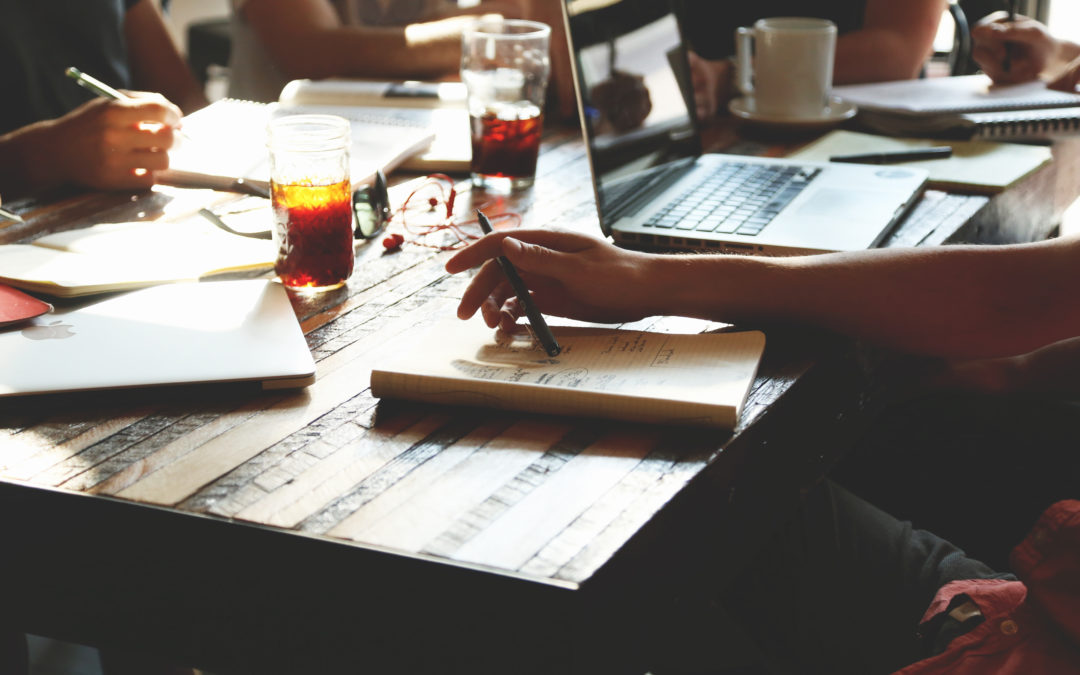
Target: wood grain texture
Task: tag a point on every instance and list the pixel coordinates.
(545, 498)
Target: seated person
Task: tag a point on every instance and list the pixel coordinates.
(53, 132)
(989, 336)
(1033, 52)
(275, 41)
(878, 40)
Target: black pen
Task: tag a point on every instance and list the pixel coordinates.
(911, 155)
(1006, 63)
(536, 319)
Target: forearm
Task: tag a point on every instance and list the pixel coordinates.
(426, 50)
(24, 169)
(876, 55)
(957, 302)
(156, 63)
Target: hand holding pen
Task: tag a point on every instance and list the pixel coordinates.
(536, 319)
(1012, 48)
(114, 142)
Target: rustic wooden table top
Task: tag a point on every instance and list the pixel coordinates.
(537, 500)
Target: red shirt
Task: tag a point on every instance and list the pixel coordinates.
(1030, 626)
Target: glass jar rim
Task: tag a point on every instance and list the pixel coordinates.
(529, 30)
(308, 133)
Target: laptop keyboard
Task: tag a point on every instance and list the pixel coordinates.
(735, 198)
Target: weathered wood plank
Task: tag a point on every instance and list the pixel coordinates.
(410, 514)
(326, 481)
(527, 526)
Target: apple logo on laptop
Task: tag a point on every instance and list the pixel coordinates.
(57, 330)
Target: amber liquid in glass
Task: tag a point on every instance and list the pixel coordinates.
(506, 148)
(313, 233)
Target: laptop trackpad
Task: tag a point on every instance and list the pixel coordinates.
(848, 204)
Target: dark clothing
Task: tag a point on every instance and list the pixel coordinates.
(974, 469)
(709, 26)
(846, 588)
(842, 587)
(39, 40)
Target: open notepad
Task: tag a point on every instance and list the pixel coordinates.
(700, 379)
(437, 106)
(227, 140)
(124, 256)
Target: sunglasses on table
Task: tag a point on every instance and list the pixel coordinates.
(370, 206)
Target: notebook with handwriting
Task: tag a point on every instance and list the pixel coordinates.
(698, 379)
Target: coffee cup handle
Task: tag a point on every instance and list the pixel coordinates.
(744, 50)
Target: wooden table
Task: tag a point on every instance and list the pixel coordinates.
(323, 531)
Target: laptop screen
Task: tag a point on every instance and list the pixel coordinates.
(632, 77)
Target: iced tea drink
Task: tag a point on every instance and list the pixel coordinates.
(505, 67)
(312, 200)
(506, 142)
(313, 233)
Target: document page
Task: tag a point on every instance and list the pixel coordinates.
(601, 371)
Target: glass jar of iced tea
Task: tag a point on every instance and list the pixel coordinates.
(311, 194)
(505, 67)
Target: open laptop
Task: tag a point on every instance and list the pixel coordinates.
(655, 189)
(186, 333)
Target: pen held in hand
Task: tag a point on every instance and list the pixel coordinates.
(910, 155)
(101, 89)
(1006, 62)
(536, 319)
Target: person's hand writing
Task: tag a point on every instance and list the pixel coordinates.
(569, 274)
(712, 84)
(1069, 78)
(112, 145)
(1031, 47)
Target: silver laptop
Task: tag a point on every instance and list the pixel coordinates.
(188, 333)
(655, 189)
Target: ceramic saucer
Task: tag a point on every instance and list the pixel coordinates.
(837, 112)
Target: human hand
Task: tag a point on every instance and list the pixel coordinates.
(113, 145)
(570, 275)
(712, 84)
(1031, 47)
(1068, 78)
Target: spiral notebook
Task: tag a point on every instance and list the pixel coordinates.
(968, 106)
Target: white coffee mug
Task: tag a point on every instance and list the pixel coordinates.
(785, 64)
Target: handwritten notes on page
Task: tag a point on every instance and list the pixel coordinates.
(698, 379)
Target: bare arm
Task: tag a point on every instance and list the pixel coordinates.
(894, 42)
(306, 38)
(156, 65)
(964, 302)
(102, 144)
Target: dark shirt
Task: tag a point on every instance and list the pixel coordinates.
(709, 25)
(39, 39)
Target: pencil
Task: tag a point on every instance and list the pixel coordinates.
(101, 89)
(536, 319)
(4, 213)
(1006, 63)
(95, 85)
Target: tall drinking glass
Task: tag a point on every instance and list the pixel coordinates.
(311, 197)
(505, 68)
